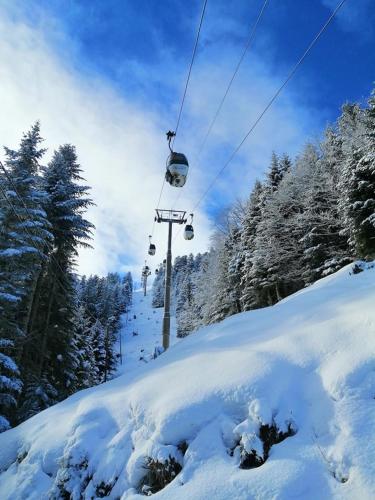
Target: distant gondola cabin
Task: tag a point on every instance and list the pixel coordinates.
(152, 249)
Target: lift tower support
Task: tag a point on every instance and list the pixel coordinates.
(171, 217)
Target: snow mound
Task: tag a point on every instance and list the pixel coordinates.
(273, 403)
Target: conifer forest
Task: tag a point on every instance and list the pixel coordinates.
(57, 330)
(310, 216)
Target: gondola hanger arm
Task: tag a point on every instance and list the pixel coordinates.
(170, 134)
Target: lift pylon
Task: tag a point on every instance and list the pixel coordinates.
(171, 217)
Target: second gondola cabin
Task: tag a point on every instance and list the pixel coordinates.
(152, 249)
(189, 232)
(177, 169)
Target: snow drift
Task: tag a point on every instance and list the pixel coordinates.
(272, 403)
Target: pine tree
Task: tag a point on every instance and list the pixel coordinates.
(276, 260)
(358, 201)
(253, 216)
(85, 368)
(53, 322)
(24, 240)
(322, 223)
(275, 173)
(223, 302)
(10, 384)
(285, 165)
(158, 288)
(183, 294)
(97, 338)
(128, 288)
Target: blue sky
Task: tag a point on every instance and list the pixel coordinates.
(109, 37)
(133, 55)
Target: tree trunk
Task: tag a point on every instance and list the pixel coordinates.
(30, 301)
(278, 293)
(45, 330)
(29, 308)
(35, 302)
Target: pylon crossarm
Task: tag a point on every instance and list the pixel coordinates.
(174, 216)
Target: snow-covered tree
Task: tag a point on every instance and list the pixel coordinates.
(102, 302)
(252, 217)
(53, 321)
(98, 341)
(158, 288)
(359, 185)
(86, 371)
(24, 240)
(10, 385)
(321, 221)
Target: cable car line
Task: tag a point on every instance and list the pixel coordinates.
(249, 41)
(247, 46)
(272, 100)
(183, 96)
(190, 68)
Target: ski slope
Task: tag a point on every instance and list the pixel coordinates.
(305, 367)
(141, 333)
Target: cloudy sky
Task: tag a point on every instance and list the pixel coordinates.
(108, 76)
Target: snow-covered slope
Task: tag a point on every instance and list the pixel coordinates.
(141, 333)
(305, 366)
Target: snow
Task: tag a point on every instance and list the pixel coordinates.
(6, 362)
(12, 252)
(141, 333)
(9, 297)
(307, 362)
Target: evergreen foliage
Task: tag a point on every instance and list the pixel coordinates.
(57, 332)
(158, 288)
(24, 239)
(52, 359)
(101, 301)
(308, 218)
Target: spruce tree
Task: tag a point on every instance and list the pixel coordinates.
(24, 242)
(158, 288)
(98, 341)
(322, 223)
(223, 302)
(66, 202)
(85, 369)
(252, 218)
(358, 184)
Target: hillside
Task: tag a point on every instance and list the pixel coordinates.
(141, 333)
(272, 403)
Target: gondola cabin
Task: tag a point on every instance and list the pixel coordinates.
(152, 249)
(177, 169)
(189, 232)
(146, 271)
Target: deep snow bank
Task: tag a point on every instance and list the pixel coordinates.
(306, 364)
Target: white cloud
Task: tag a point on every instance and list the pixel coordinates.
(355, 16)
(121, 145)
